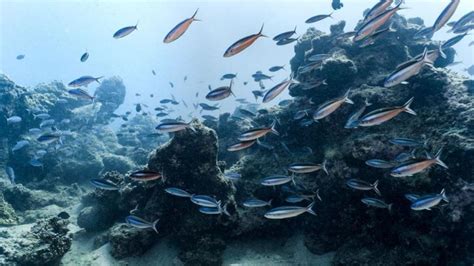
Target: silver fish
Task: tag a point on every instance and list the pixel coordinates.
(178, 192)
(378, 9)
(414, 168)
(214, 211)
(84, 57)
(11, 174)
(140, 223)
(256, 203)
(372, 25)
(382, 115)
(447, 13)
(363, 185)
(276, 180)
(125, 31)
(304, 168)
(14, 120)
(406, 142)
(243, 43)
(84, 81)
(180, 29)
(104, 184)
(256, 133)
(407, 71)
(220, 93)
(284, 35)
(377, 203)
(377, 163)
(173, 127)
(429, 201)
(20, 145)
(285, 212)
(287, 41)
(331, 106)
(205, 201)
(317, 18)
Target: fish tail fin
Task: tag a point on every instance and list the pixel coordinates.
(425, 58)
(293, 179)
(153, 225)
(270, 202)
(438, 159)
(224, 210)
(260, 32)
(136, 27)
(323, 166)
(390, 207)
(294, 30)
(194, 16)
(440, 49)
(310, 208)
(330, 15)
(273, 128)
(406, 107)
(346, 97)
(318, 196)
(443, 195)
(98, 79)
(375, 187)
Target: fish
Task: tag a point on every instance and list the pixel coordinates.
(412, 197)
(243, 43)
(375, 36)
(11, 174)
(363, 185)
(353, 121)
(220, 93)
(377, 9)
(406, 142)
(260, 76)
(47, 123)
(407, 70)
(405, 156)
(140, 223)
(256, 203)
(84, 81)
(138, 107)
(14, 120)
(300, 114)
(276, 68)
(209, 117)
(318, 57)
(285, 102)
(41, 153)
(214, 211)
(429, 201)
(372, 25)
(125, 31)
(464, 29)
(246, 112)
(286, 41)
(34, 131)
(233, 176)
(463, 21)
(453, 41)
(276, 180)
(41, 116)
(171, 84)
(424, 33)
(208, 107)
(20, 57)
(377, 163)
(173, 126)
(146, 175)
(470, 70)
(447, 13)
(178, 192)
(241, 145)
(277, 90)
(20, 145)
(153, 72)
(317, 18)
(331, 106)
(228, 76)
(417, 167)
(205, 201)
(84, 57)
(377, 203)
(284, 212)
(80, 93)
(299, 198)
(304, 168)
(180, 29)
(104, 184)
(256, 133)
(382, 115)
(49, 138)
(284, 35)
(35, 163)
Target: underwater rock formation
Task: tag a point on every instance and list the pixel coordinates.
(44, 244)
(111, 93)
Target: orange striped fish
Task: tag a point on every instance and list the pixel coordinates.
(180, 29)
(243, 43)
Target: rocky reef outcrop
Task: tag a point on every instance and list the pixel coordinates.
(44, 244)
